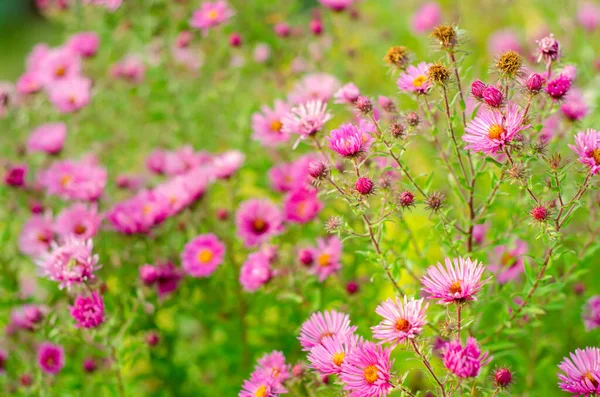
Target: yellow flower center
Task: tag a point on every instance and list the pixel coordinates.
(80, 229)
(596, 156)
(212, 15)
(259, 225)
(60, 71)
(419, 81)
(495, 131)
(370, 374)
(261, 391)
(507, 259)
(65, 180)
(204, 256)
(338, 358)
(455, 288)
(402, 325)
(147, 209)
(589, 377)
(43, 238)
(276, 126)
(324, 260)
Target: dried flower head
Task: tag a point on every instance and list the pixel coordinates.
(364, 105)
(509, 64)
(435, 201)
(397, 56)
(397, 129)
(406, 199)
(517, 172)
(445, 35)
(333, 224)
(438, 74)
(413, 119)
(555, 161)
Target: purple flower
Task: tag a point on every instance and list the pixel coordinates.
(37, 235)
(16, 175)
(464, 362)
(458, 282)
(88, 311)
(558, 88)
(267, 125)
(366, 371)
(79, 220)
(575, 108)
(347, 141)
(348, 94)
(75, 180)
(581, 372)
(202, 255)
(535, 83)
(257, 220)
(587, 147)
(492, 96)
(327, 257)
(51, 358)
(302, 205)
(548, 49)
(477, 89)
(165, 276)
(401, 320)
(328, 357)
(591, 313)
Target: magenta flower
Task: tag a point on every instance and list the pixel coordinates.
(587, 147)
(88, 311)
(3, 358)
(581, 375)
(273, 365)
(328, 357)
(267, 125)
(459, 282)
(479, 233)
(327, 257)
(256, 271)
(464, 362)
(25, 318)
(79, 220)
(70, 95)
(29, 83)
(490, 131)
(47, 138)
(306, 119)
(414, 79)
(336, 5)
(140, 213)
(502, 41)
(588, 15)
(202, 255)
(51, 358)
(401, 321)
(548, 49)
(16, 175)
(559, 87)
(324, 324)
(131, 69)
(347, 141)
(74, 180)
(210, 15)
(84, 44)
(165, 276)
(302, 205)
(287, 177)
(226, 164)
(314, 87)
(591, 313)
(428, 16)
(366, 371)
(58, 65)
(507, 262)
(260, 385)
(348, 94)
(70, 263)
(575, 108)
(37, 235)
(257, 220)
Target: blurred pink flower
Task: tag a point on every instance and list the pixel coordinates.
(79, 220)
(74, 180)
(210, 15)
(257, 220)
(70, 95)
(202, 255)
(302, 205)
(507, 261)
(36, 235)
(267, 124)
(504, 40)
(255, 272)
(426, 17)
(88, 311)
(47, 138)
(50, 358)
(84, 44)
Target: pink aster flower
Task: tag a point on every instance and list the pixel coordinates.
(402, 321)
(35, 59)
(575, 108)
(307, 119)
(588, 15)
(587, 147)
(74, 180)
(464, 362)
(502, 41)
(79, 220)
(202, 255)
(348, 94)
(414, 79)
(558, 88)
(140, 213)
(426, 17)
(302, 205)
(88, 311)
(51, 358)
(47, 138)
(591, 313)
(490, 131)
(324, 324)
(336, 5)
(273, 365)
(281, 178)
(460, 281)
(256, 271)
(366, 371)
(226, 164)
(84, 44)
(29, 83)
(267, 125)
(37, 235)
(328, 357)
(347, 141)
(581, 372)
(507, 262)
(327, 257)
(131, 69)
(70, 95)
(165, 276)
(548, 50)
(16, 175)
(210, 15)
(59, 64)
(70, 263)
(25, 317)
(315, 87)
(479, 233)
(257, 220)
(261, 385)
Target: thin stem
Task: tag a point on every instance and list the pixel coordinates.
(458, 317)
(401, 166)
(460, 90)
(452, 135)
(575, 198)
(428, 366)
(120, 385)
(510, 159)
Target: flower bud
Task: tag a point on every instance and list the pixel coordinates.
(492, 96)
(235, 40)
(364, 105)
(317, 169)
(503, 377)
(364, 186)
(316, 27)
(534, 83)
(477, 89)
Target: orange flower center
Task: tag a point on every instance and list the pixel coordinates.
(60, 71)
(589, 377)
(65, 180)
(212, 15)
(507, 259)
(276, 126)
(259, 225)
(370, 374)
(80, 229)
(204, 256)
(43, 238)
(495, 131)
(325, 335)
(596, 156)
(324, 260)
(261, 391)
(147, 209)
(419, 81)
(338, 358)
(455, 288)
(402, 325)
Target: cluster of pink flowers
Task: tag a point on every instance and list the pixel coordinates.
(164, 276)
(324, 259)
(88, 311)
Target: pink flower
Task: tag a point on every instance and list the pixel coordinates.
(549, 49)
(328, 357)
(550, 128)
(88, 311)
(210, 15)
(591, 313)
(3, 358)
(490, 131)
(459, 282)
(502, 41)
(347, 141)
(70, 263)
(479, 232)
(79, 221)
(202, 255)
(401, 322)
(327, 257)
(366, 371)
(261, 53)
(48, 138)
(37, 235)
(261, 385)
(426, 17)
(140, 213)
(302, 205)
(256, 271)
(315, 87)
(588, 15)
(348, 94)
(336, 5)
(307, 119)
(587, 147)
(35, 59)
(25, 318)
(267, 125)
(16, 175)
(273, 365)
(74, 180)
(558, 88)
(29, 83)
(70, 95)
(131, 68)
(59, 65)
(464, 362)
(575, 108)
(507, 262)
(414, 79)
(51, 358)
(226, 164)
(581, 372)
(110, 5)
(286, 177)
(324, 324)
(257, 220)
(84, 44)
(165, 276)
